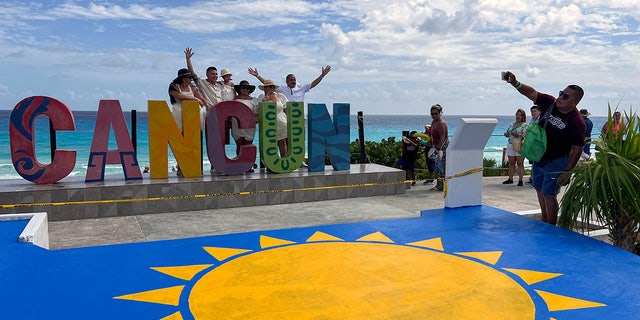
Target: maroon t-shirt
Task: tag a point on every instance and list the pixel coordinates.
(563, 129)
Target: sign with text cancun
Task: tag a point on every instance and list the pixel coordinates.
(325, 138)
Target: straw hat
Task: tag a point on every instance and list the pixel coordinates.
(225, 72)
(267, 83)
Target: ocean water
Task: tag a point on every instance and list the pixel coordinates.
(376, 128)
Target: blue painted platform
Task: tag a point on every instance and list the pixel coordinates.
(560, 274)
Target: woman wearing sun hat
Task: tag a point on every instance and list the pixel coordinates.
(269, 87)
(180, 90)
(244, 136)
(228, 92)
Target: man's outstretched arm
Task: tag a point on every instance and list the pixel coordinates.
(325, 70)
(525, 90)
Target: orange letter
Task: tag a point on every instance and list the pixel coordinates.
(186, 148)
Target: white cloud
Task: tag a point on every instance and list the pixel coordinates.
(336, 43)
(413, 52)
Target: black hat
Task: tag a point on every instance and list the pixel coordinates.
(185, 73)
(584, 112)
(244, 83)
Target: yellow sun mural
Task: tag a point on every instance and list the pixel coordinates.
(326, 277)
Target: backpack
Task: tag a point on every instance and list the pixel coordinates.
(535, 139)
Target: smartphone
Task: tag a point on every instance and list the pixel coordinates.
(505, 75)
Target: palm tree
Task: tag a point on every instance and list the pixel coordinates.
(607, 188)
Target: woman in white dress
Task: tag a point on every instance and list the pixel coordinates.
(180, 90)
(228, 92)
(244, 136)
(271, 95)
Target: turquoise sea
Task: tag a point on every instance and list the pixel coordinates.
(376, 128)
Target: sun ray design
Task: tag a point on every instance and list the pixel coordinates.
(531, 277)
(321, 236)
(242, 275)
(269, 242)
(224, 253)
(174, 316)
(168, 296)
(377, 237)
(490, 257)
(182, 272)
(435, 243)
(556, 302)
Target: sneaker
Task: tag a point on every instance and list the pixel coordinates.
(520, 183)
(413, 183)
(508, 181)
(428, 181)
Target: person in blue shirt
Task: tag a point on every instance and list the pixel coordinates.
(586, 152)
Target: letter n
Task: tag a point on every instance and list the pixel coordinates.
(110, 114)
(329, 138)
(21, 132)
(185, 145)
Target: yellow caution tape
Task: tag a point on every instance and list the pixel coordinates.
(458, 175)
(85, 202)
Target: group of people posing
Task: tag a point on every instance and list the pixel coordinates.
(208, 92)
(436, 142)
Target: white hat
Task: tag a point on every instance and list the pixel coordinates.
(225, 72)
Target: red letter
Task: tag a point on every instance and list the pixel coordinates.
(23, 152)
(110, 112)
(215, 137)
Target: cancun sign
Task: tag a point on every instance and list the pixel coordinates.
(325, 137)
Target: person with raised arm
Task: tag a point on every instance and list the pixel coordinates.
(210, 87)
(294, 91)
(565, 130)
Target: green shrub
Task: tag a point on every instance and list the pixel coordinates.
(387, 152)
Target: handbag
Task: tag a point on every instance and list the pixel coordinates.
(535, 139)
(516, 143)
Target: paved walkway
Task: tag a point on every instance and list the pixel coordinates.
(177, 225)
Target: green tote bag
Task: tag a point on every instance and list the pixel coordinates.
(535, 139)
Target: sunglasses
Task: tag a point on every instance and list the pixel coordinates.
(245, 87)
(435, 113)
(563, 95)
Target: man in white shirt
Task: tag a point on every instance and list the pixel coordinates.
(210, 87)
(293, 91)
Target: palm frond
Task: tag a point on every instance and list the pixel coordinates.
(607, 188)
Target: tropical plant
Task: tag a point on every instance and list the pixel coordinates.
(385, 152)
(607, 189)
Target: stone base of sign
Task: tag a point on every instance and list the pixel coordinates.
(72, 198)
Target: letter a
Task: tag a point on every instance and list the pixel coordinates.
(110, 113)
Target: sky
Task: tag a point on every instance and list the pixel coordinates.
(387, 57)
